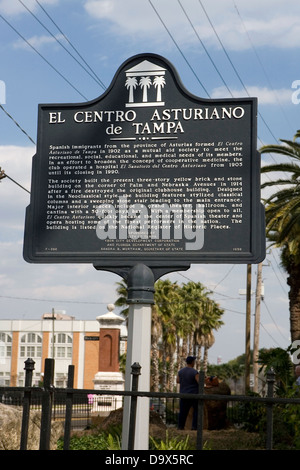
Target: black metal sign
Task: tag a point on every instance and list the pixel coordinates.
(146, 173)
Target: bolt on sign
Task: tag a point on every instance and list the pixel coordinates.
(147, 172)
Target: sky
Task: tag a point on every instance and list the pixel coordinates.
(68, 51)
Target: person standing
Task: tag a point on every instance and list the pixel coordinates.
(188, 379)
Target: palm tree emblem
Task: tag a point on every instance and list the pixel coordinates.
(159, 82)
(145, 75)
(145, 83)
(131, 84)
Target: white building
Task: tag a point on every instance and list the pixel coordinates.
(57, 336)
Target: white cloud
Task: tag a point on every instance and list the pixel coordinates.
(13, 7)
(265, 95)
(278, 24)
(37, 41)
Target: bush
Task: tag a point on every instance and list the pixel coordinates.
(110, 440)
(248, 415)
(170, 443)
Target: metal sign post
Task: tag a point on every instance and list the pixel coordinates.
(138, 350)
(140, 298)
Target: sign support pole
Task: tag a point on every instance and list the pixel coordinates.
(140, 299)
(248, 328)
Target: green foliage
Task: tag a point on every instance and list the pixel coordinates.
(251, 415)
(170, 443)
(290, 414)
(86, 442)
(113, 442)
(279, 360)
(231, 370)
(122, 363)
(110, 440)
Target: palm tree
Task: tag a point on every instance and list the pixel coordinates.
(167, 295)
(163, 325)
(131, 83)
(159, 82)
(181, 314)
(209, 321)
(191, 311)
(145, 83)
(208, 342)
(122, 299)
(283, 220)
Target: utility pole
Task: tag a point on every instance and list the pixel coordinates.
(248, 328)
(257, 325)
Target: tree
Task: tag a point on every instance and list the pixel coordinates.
(191, 310)
(279, 360)
(283, 220)
(182, 315)
(122, 299)
(209, 321)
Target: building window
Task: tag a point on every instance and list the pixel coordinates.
(63, 346)
(31, 345)
(4, 379)
(36, 379)
(5, 345)
(61, 380)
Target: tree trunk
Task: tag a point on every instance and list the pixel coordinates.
(205, 361)
(199, 358)
(294, 296)
(183, 352)
(155, 365)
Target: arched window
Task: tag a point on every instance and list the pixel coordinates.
(63, 346)
(5, 345)
(31, 345)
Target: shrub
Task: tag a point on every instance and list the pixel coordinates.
(171, 443)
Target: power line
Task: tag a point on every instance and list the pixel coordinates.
(278, 278)
(42, 57)
(191, 68)
(272, 319)
(14, 181)
(61, 44)
(16, 123)
(273, 339)
(232, 267)
(260, 63)
(232, 65)
(73, 47)
(182, 54)
(51, 300)
(203, 45)
(282, 272)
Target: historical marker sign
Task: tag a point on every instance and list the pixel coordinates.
(146, 173)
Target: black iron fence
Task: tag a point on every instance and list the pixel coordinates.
(75, 406)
